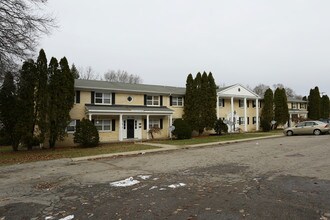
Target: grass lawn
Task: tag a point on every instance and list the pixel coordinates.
(7, 156)
(224, 137)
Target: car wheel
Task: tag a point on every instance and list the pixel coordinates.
(289, 133)
(317, 132)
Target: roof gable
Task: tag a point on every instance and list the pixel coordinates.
(237, 90)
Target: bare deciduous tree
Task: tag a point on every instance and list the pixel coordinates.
(260, 89)
(88, 74)
(122, 76)
(21, 24)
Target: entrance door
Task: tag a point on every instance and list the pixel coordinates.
(130, 128)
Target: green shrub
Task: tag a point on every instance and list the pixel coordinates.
(220, 127)
(182, 129)
(265, 125)
(86, 134)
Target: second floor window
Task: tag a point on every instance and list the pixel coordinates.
(152, 100)
(102, 98)
(294, 105)
(177, 101)
(241, 103)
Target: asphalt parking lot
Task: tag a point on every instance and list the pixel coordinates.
(278, 178)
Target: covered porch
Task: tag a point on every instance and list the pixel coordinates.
(121, 123)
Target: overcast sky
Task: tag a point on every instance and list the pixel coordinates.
(162, 41)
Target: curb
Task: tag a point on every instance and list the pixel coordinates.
(168, 148)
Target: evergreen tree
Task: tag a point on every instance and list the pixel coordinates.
(8, 110)
(212, 102)
(61, 92)
(41, 96)
(86, 134)
(314, 101)
(74, 71)
(281, 110)
(325, 107)
(204, 105)
(26, 102)
(267, 114)
(198, 124)
(188, 109)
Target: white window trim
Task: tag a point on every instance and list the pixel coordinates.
(153, 100)
(103, 98)
(102, 124)
(177, 101)
(241, 103)
(153, 122)
(221, 101)
(73, 123)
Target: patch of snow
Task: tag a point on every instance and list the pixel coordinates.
(49, 218)
(155, 178)
(153, 187)
(162, 189)
(126, 182)
(69, 217)
(144, 177)
(173, 186)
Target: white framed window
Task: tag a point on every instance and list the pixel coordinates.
(102, 98)
(103, 125)
(154, 123)
(221, 102)
(177, 101)
(71, 126)
(254, 120)
(241, 103)
(153, 100)
(254, 104)
(241, 121)
(294, 105)
(303, 105)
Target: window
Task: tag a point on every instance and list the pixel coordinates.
(241, 121)
(152, 100)
(254, 104)
(154, 123)
(102, 98)
(221, 102)
(72, 126)
(303, 105)
(294, 105)
(177, 101)
(103, 125)
(241, 103)
(254, 120)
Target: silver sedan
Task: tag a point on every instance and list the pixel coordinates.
(308, 127)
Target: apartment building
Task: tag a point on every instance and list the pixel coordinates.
(122, 111)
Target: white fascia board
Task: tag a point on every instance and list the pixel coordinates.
(133, 112)
(124, 90)
(224, 93)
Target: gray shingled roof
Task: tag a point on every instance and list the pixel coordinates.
(127, 108)
(138, 88)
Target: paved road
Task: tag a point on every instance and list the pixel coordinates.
(280, 178)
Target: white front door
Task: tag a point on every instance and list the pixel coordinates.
(132, 127)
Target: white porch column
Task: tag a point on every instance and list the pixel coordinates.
(170, 124)
(245, 115)
(147, 127)
(232, 112)
(121, 127)
(90, 117)
(257, 114)
(217, 107)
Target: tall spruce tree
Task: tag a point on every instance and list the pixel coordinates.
(8, 110)
(325, 107)
(75, 71)
(314, 101)
(281, 110)
(61, 93)
(204, 113)
(197, 124)
(41, 96)
(212, 102)
(188, 108)
(267, 114)
(26, 102)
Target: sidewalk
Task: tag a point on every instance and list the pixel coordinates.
(167, 147)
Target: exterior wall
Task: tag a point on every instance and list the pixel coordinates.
(121, 99)
(225, 113)
(78, 110)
